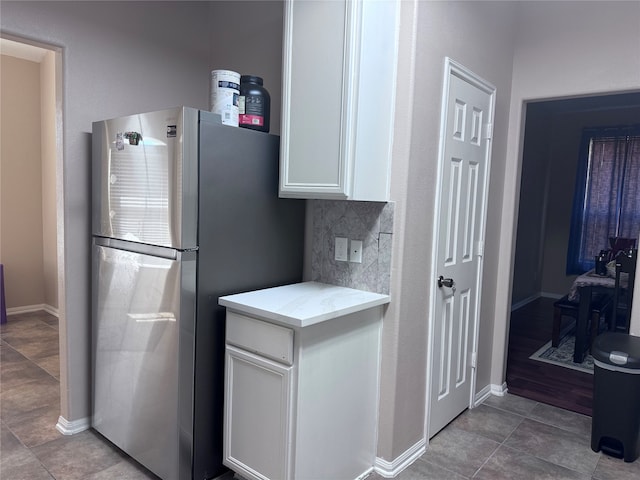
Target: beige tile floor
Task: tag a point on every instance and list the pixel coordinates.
(515, 438)
(30, 446)
(505, 438)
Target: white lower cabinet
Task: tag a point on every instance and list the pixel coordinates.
(301, 401)
(257, 415)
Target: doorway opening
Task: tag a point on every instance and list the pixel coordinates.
(32, 169)
(550, 155)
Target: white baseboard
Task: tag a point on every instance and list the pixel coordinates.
(482, 395)
(51, 310)
(391, 469)
(66, 427)
(33, 308)
(499, 390)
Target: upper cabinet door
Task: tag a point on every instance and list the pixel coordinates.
(338, 98)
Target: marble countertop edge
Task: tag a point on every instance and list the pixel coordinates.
(303, 304)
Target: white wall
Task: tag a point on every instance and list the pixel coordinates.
(562, 49)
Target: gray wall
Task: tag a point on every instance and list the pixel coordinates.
(116, 61)
(246, 37)
(527, 277)
(528, 50)
(480, 36)
(121, 58)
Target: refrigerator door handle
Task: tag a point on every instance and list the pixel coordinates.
(135, 247)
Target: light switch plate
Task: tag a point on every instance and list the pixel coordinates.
(342, 249)
(355, 252)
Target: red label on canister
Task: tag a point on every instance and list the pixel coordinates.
(251, 120)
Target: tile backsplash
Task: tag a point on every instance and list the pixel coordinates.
(371, 222)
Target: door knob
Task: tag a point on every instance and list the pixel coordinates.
(445, 282)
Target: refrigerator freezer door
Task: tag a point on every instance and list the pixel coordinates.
(145, 181)
(144, 319)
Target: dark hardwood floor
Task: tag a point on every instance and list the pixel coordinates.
(562, 387)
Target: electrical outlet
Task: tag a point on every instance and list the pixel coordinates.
(341, 249)
(355, 252)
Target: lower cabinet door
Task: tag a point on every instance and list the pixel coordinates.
(257, 417)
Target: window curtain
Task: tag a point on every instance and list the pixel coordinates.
(607, 194)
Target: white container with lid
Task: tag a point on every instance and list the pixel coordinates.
(225, 90)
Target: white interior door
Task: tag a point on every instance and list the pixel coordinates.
(468, 104)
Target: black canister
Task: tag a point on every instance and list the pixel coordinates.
(254, 104)
(601, 263)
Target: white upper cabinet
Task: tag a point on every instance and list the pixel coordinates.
(339, 84)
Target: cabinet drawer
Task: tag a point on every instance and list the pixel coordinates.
(263, 338)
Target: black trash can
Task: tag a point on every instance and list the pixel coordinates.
(615, 421)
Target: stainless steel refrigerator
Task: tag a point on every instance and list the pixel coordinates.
(185, 210)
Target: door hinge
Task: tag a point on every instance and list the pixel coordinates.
(488, 131)
(480, 248)
(474, 360)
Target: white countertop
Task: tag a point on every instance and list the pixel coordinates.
(303, 304)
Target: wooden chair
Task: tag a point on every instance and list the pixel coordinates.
(600, 308)
(623, 294)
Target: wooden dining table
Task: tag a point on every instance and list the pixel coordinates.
(582, 290)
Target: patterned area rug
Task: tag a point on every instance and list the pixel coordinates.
(562, 355)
